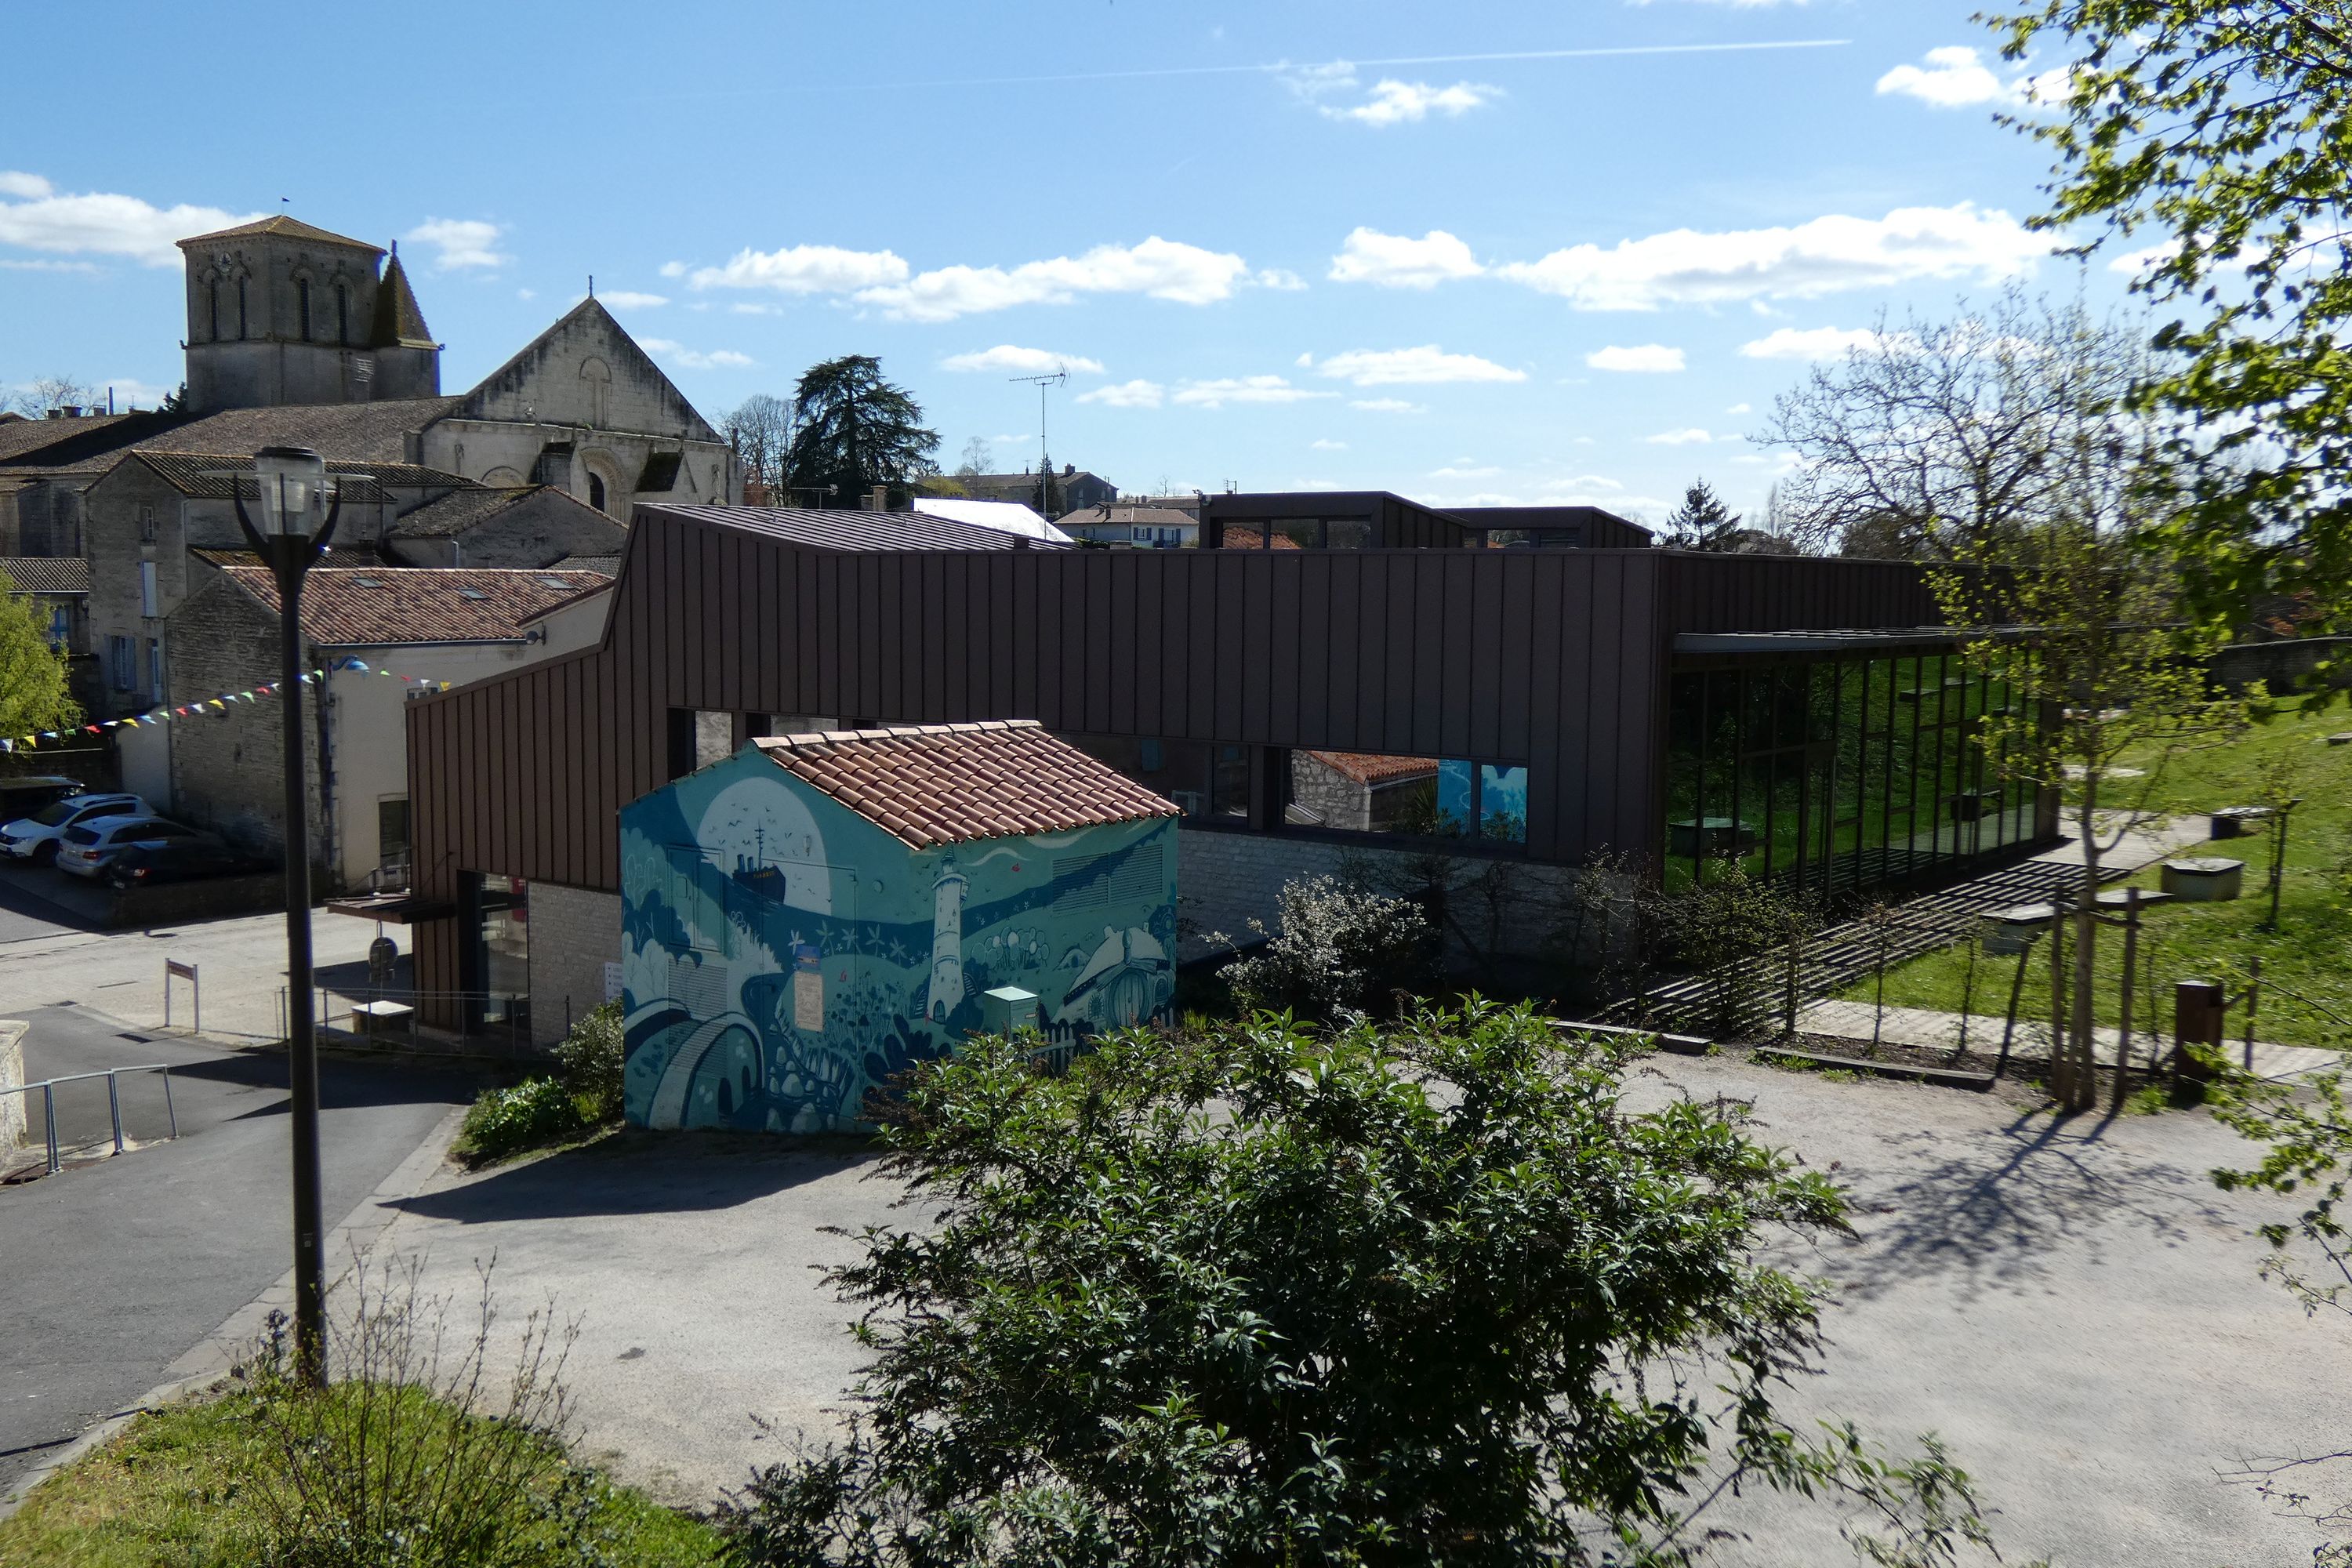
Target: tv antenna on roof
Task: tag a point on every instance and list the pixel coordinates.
(1045, 467)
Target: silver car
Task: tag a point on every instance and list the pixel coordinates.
(89, 846)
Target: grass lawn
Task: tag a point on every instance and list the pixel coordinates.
(2310, 954)
(175, 1488)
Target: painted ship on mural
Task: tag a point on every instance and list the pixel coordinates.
(785, 950)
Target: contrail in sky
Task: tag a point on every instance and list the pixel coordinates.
(1280, 67)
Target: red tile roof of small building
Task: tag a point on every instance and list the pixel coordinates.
(1371, 767)
(418, 603)
(944, 784)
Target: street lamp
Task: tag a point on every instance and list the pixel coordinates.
(299, 505)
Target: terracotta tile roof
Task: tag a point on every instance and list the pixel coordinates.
(1371, 767)
(357, 432)
(288, 227)
(363, 557)
(346, 607)
(208, 475)
(945, 783)
(47, 574)
(459, 510)
(20, 436)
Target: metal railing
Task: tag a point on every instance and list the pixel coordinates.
(499, 1019)
(47, 1088)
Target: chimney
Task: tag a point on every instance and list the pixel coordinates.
(879, 499)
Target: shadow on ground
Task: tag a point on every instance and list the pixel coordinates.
(636, 1172)
(1989, 1211)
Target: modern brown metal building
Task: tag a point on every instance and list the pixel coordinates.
(1789, 711)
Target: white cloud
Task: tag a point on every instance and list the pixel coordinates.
(1384, 406)
(1427, 365)
(695, 359)
(1400, 261)
(1480, 471)
(1808, 343)
(799, 269)
(1281, 279)
(1823, 255)
(463, 242)
(1647, 359)
(526, 293)
(1740, 408)
(1161, 268)
(1395, 102)
(630, 300)
(1957, 77)
(98, 224)
(673, 268)
(1007, 356)
(1689, 437)
(13, 265)
(1328, 446)
(1217, 393)
(1137, 394)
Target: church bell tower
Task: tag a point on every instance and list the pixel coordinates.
(281, 312)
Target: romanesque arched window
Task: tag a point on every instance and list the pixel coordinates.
(242, 319)
(212, 304)
(596, 491)
(302, 308)
(342, 311)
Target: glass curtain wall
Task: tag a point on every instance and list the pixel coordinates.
(1837, 775)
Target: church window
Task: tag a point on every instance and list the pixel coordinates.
(342, 311)
(596, 491)
(212, 301)
(302, 306)
(241, 319)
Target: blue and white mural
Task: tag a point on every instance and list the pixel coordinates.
(781, 953)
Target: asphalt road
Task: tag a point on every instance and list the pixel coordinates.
(112, 1271)
(24, 912)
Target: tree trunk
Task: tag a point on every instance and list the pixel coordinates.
(2082, 1046)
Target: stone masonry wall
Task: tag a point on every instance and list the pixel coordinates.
(574, 935)
(1508, 908)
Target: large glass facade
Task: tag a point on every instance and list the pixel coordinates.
(1834, 774)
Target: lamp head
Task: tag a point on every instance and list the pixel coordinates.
(295, 490)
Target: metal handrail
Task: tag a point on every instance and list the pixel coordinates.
(48, 1088)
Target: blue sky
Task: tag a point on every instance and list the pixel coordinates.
(1330, 243)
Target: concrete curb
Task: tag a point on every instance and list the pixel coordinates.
(210, 1358)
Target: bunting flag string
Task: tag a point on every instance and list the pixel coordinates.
(218, 706)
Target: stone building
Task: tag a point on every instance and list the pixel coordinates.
(519, 525)
(384, 635)
(280, 311)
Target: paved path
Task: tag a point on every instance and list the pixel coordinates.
(110, 1271)
(242, 961)
(1931, 1030)
(2074, 1306)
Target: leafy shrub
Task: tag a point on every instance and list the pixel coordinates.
(1341, 948)
(592, 1059)
(423, 1453)
(504, 1121)
(1278, 1295)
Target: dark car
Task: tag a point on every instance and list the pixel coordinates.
(149, 861)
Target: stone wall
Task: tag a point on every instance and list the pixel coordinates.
(229, 767)
(574, 933)
(1499, 907)
(2279, 663)
(13, 1119)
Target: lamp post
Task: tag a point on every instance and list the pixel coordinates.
(299, 505)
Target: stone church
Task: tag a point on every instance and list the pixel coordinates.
(282, 315)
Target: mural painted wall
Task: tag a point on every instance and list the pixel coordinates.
(781, 955)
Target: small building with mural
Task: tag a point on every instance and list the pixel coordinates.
(818, 911)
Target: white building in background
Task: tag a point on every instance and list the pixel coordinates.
(1006, 517)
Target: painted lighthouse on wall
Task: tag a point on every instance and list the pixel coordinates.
(817, 912)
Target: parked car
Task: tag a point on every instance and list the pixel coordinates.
(25, 793)
(89, 846)
(37, 837)
(153, 861)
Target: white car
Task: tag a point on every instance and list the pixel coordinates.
(36, 838)
(89, 845)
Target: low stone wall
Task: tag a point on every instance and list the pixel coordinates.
(1500, 906)
(574, 933)
(2279, 663)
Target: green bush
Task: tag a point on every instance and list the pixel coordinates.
(506, 1121)
(1339, 948)
(590, 1056)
